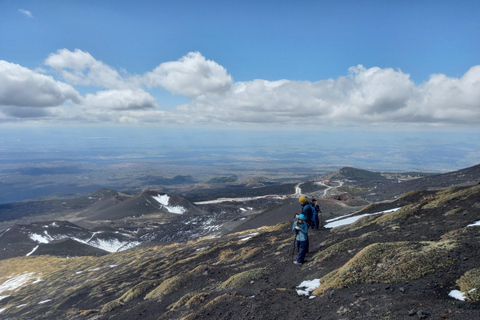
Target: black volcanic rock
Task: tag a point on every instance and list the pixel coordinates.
(396, 264)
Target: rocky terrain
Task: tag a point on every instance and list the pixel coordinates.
(397, 259)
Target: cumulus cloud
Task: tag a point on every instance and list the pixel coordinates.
(81, 68)
(191, 76)
(22, 87)
(364, 96)
(120, 100)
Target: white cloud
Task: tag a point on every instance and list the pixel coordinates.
(22, 87)
(26, 13)
(191, 76)
(120, 100)
(364, 96)
(81, 68)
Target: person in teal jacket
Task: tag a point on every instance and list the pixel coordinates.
(301, 229)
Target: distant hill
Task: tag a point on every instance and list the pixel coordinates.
(350, 173)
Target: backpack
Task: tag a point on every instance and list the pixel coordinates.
(312, 218)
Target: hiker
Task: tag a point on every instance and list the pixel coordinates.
(309, 211)
(318, 212)
(301, 230)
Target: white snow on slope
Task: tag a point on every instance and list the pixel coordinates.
(459, 295)
(28, 254)
(14, 282)
(248, 236)
(164, 200)
(41, 238)
(474, 224)
(349, 219)
(307, 286)
(111, 245)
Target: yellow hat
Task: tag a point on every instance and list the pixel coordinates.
(302, 199)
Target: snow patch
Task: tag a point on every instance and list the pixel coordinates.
(45, 301)
(248, 236)
(457, 294)
(307, 286)
(474, 224)
(14, 282)
(41, 238)
(349, 219)
(164, 200)
(34, 249)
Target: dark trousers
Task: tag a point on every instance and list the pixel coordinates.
(302, 250)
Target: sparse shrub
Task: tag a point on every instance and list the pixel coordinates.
(138, 290)
(166, 287)
(283, 245)
(199, 269)
(248, 252)
(388, 262)
(346, 245)
(88, 312)
(469, 284)
(189, 300)
(225, 255)
(240, 279)
(453, 193)
(110, 306)
(453, 212)
(401, 214)
(278, 226)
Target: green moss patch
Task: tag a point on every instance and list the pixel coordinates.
(168, 286)
(240, 279)
(469, 284)
(189, 300)
(389, 262)
(449, 194)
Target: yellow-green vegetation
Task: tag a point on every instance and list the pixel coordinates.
(111, 306)
(469, 284)
(454, 193)
(400, 214)
(389, 262)
(167, 286)
(138, 290)
(225, 255)
(454, 212)
(228, 255)
(346, 246)
(463, 233)
(383, 219)
(189, 300)
(278, 226)
(240, 279)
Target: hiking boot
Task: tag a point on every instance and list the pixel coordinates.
(296, 262)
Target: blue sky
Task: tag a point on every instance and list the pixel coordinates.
(241, 63)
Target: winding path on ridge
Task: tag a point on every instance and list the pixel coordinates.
(298, 192)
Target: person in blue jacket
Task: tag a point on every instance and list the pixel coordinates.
(301, 229)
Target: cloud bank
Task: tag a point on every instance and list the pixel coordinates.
(364, 96)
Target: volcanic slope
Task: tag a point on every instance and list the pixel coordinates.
(376, 186)
(401, 260)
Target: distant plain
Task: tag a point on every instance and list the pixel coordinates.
(41, 161)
